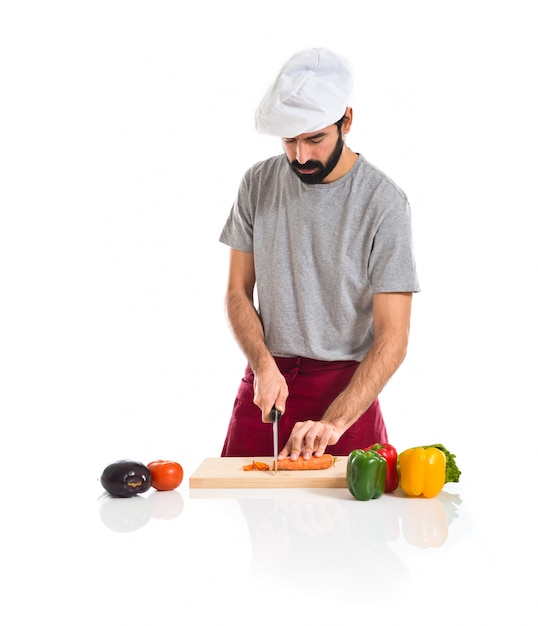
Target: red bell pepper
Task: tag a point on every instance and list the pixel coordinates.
(390, 455)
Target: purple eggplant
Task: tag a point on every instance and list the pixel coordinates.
(125, 478)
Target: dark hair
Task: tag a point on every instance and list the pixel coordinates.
(340, 122)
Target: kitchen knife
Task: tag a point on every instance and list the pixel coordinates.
(275, 417)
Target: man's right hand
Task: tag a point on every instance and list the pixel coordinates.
(270, 390)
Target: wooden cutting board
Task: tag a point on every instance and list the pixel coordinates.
(228, 473)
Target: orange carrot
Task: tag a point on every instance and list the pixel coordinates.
(314, 463)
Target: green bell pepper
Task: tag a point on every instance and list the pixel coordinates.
(366, 474)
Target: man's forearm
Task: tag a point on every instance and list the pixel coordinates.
(375, 370)
(247, 330)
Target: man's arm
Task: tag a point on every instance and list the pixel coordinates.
(270, 388)
(392, 315)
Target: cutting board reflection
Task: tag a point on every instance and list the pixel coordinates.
(228, 473)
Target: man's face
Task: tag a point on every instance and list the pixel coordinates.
(313, 156)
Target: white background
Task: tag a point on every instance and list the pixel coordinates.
(125, 129)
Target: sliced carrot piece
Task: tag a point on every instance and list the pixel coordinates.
(256, 465)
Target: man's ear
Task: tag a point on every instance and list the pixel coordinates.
(348, 119)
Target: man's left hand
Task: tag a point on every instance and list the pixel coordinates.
(309, 438)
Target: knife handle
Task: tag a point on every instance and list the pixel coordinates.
(275, 415)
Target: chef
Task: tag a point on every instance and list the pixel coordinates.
(321, 274)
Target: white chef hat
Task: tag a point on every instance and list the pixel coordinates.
(310, 92)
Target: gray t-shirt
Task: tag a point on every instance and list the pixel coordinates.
(320, 253)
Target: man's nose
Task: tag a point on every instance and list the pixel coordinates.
(302, 153)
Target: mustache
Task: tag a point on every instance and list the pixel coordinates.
(309, 165)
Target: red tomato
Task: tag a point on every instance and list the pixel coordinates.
(165, 475)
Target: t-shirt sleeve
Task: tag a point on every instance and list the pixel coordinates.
(392, 262)
(239, 227)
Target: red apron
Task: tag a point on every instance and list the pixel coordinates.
(312, 385)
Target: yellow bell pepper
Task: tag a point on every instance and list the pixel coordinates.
(422, 471)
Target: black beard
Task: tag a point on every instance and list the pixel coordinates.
(323, 170)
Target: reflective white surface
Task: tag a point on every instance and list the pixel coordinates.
(77, 556)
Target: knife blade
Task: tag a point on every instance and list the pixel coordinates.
(275, 416)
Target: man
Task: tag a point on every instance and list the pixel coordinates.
(322, 240)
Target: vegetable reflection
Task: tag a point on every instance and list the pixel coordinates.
(126, 515)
